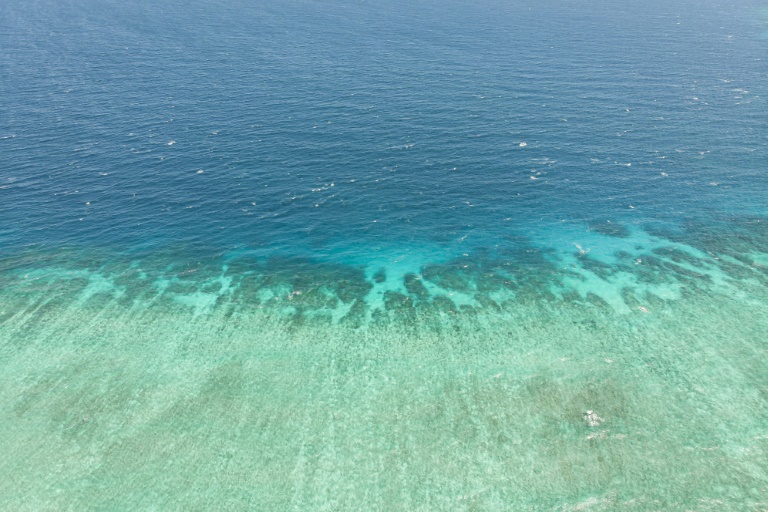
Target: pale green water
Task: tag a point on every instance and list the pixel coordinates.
(133, 386)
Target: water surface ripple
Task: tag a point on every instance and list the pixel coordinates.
(332, 255)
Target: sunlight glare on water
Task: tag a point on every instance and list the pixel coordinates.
(383, 256)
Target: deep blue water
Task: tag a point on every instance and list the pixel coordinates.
(336, 128)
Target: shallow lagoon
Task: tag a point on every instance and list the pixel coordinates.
(488, 382)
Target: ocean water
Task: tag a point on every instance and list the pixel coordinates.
(348, 255)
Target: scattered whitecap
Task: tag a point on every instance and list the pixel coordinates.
(592, 419)
(582, 251)
(200, 171)
(170, 143)
(523, 144)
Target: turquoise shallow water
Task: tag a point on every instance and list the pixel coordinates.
(349, 256)
(241, 384)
